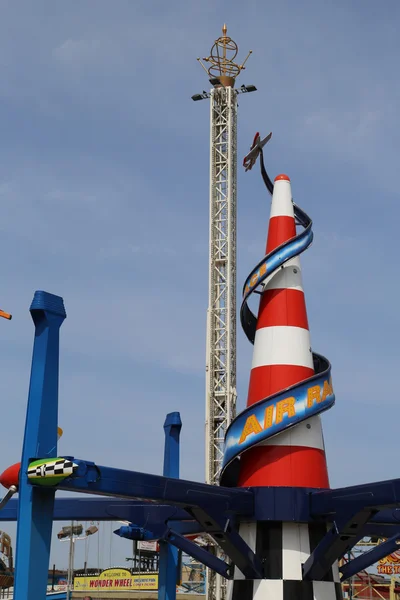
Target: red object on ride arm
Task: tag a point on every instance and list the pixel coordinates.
(10, 476)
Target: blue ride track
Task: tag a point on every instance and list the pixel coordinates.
(310, 397)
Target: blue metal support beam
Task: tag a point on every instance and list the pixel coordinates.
(376, 496)
(168, 566)
(343, 535)
(36, 504)
(106, 509)
(351, 509)
(227, 537)
(156, 530)
(384, 524)
(380, 530)
(95, 479)
(203, 556)
(389, 516)
(367, 559)
(275, 504)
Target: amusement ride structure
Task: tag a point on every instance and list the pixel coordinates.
(282, 532)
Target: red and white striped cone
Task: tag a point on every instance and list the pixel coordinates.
(295, 458)
(282, 357)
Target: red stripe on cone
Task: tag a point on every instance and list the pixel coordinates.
(297, 464)
(280, 230)
(268, 380)
(275, 466)
(282, 307)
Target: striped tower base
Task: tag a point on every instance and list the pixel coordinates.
(282, 357)
(284, 547)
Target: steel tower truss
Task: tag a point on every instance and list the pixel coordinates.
(221, 315)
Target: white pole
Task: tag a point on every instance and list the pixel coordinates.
(71, 546)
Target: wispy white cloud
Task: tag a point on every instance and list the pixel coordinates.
(349, 133)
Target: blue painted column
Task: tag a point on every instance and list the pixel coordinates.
(35, 506)
(168, 568)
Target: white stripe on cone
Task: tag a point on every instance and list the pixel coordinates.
(282, 345)
(307, 434)
(288, 277)
(282, 204)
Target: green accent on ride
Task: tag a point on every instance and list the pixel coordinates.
(43, 461)
(49, 474)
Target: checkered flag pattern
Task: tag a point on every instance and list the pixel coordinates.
(285, 547)
(53, 469)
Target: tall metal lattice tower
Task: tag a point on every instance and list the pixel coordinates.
(221, 313)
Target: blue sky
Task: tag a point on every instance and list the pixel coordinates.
(104, 199)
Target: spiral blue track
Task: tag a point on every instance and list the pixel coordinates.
(307, 398)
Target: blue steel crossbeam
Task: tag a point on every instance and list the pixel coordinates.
(106, 509)
(151, 531)
(388, 516)
(203, 556)
(343, 535)
(109, 481)
(224, 532)
(289, 504)
(350, 509)
(176, 538)
(384, 524)
(377, 495)
(369, 558)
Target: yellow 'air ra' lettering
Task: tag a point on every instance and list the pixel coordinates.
(282, 408)
(314, 393)
(256, 276)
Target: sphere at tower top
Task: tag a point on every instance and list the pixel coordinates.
(223, 66)
(222, 56)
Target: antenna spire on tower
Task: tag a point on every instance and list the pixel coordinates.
(222, 60)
